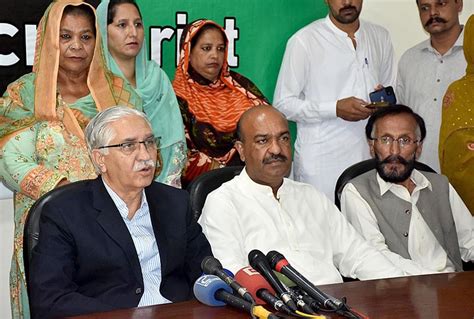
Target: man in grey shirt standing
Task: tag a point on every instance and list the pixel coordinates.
(426, 70)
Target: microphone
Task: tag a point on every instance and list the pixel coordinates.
(307, 303)
(212, 266)
(212, 291)
(259, 288)
(258, 261)
(280, 264)
(205, 289)
(302, 295)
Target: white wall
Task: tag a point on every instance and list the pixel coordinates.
(400, 17)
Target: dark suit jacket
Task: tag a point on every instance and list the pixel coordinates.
(85, 260)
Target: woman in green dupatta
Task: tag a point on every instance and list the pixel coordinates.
(125, 52)
(43, 114)
(456, 141)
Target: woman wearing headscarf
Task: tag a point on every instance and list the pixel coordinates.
(121, 25)
(43, 114)
(456, 142)
(211, 98)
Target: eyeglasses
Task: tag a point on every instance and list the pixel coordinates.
(128, 148)
(402, 141)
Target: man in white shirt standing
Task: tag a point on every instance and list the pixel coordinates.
(328, 70)
(426, 70)
(261, 209)
(416, 219)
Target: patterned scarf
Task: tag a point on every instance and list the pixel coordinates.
(220, 103)
(456, 141)
(19, 110)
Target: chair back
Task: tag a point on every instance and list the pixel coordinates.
(31, 230)
(205, 183)
(359, 169)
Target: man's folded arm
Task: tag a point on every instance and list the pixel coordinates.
(293, 77)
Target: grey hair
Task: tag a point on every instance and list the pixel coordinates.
(99, 133)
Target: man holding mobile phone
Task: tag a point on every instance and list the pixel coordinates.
(328, 70)
(426, 70)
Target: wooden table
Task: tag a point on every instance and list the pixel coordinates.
(448, 296)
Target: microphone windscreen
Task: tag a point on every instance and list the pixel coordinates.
(253, 281)
(210, 264)
(205, 289)
(255, 256)
(274, 258)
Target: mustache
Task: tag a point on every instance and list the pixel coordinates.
(349, 7)
(275, 158)
(145, 164)
(395, 159)
(435, 19)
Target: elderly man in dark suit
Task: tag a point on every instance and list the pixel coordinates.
(120, 240)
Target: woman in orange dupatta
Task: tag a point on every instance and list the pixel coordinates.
(43, 114)
(211, 98)
(456, 141)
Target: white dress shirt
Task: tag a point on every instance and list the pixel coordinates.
(302, 224)
(427, 255)
(144, 240)
(320, 67)
(423, 78)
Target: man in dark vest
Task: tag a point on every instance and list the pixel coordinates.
(414, 218)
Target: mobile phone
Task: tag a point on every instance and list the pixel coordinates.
(383, 97)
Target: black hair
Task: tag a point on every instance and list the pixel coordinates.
(112, 9)
(81, 10)
(394, 110)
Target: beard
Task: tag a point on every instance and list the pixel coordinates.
(342, 16)
(395, 176)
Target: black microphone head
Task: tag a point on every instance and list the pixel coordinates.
(209, 265)
(256, 256)
(258, 261)
(274, 257)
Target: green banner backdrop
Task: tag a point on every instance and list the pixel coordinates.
(258, 31)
